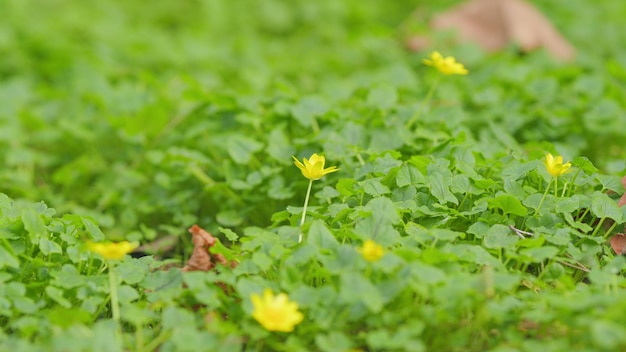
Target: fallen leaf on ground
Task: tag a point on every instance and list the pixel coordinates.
(618, 243)
(493, 23)
(201, 258)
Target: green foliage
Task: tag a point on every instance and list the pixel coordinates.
(134, 122)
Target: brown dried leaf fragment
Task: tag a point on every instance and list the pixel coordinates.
(618, 243)
(200, 257)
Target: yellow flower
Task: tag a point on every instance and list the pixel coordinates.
(371, 251)
(555, 166)
(447, 65)
(313, 169)
(112, 250)
(275, 313)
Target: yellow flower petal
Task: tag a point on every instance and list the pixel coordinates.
(555, 166)
(275, 313)
(447, 65)
(112, 250)
(371, 251)
(313, 168)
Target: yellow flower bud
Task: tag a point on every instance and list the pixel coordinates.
(313, 168)
(555, 166)
(447, 65)
(112, 250)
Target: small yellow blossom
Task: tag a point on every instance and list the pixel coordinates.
(112, 250)
(555, 166)
(275, 313)
(447, 65)
(371, 251)
(313, 169)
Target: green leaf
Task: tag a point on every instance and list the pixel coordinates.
(131, 272)
(478, 229)
(584, 228)
(356, 288)
(567, 205)
(279, 147)
(48, 247)
(409, 175)
(441, 190)
(333, 341)
(584, 164)
(605, 115)
(607, 334)
(383, 210)
(241, 148)
(34, 225)
(230, 234)
(56, 294)
(127, 294)
(177, 318)
(229, 218)
(508, 204)
(613, 183)
(445, 234)
(345, 186)
(500, 236)
(93, 230)
(68, 277)
(320, 236)
(383, 98)
(374, 187)
(262, 260)
(474, 254)
(602, 206)
(308, 108)
(427, 274)
(540, 254)
(7, 259)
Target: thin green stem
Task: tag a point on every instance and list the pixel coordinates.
(163, 336)
(115, 304)
(583, 214)
(610, 228)
(545, 193)
(556, 187)
(426, 101)
(139, 340)
(115, 308)
(595, 231)
(306, 204)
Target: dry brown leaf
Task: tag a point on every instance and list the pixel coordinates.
(618, 243)
(200, 257)
(493, 23)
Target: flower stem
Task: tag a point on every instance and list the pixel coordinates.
(426, 101)
(564, 188)
(544, 197)
(556, 187)
(306, 203)
(598, 226)
(115, 305)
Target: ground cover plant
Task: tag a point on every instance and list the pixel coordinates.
(286, 176)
